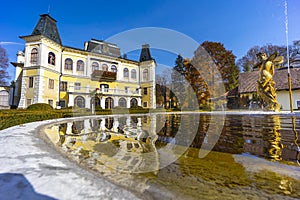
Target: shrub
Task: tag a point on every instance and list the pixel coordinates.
(40, 106)
(98, 108)
(136, 107)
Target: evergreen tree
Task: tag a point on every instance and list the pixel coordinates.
(178, 80)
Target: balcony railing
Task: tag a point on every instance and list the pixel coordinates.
(100, 75)
(105, 91)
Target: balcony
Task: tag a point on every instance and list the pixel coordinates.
(100, 75)
(116, 91)
(105, 91)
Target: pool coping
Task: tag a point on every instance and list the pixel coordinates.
(31, 169)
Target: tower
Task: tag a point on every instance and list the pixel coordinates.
(147, 77)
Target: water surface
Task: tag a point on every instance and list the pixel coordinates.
(188, 155)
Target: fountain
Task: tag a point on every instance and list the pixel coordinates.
(266, 85)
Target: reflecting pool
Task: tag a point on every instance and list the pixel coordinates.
(188, 156)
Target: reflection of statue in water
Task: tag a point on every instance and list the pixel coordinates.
(274, 139)
(266, 85)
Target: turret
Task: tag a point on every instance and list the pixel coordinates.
(145, 53)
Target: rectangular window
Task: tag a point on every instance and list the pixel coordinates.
(298, 104)
(28, 102)
(30, 82)
(51, 84)
(77, 86)
(145, 91)
(50, 102)
(62, 103)
(145, 104)
(63, 86)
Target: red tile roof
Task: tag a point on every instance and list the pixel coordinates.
(248, 80)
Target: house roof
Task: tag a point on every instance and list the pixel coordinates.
(232, 93)
(248, 80)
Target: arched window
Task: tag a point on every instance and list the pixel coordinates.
(133, 102)
(109, 103)
(113, 68)
(122, 102)
(79, 102)
(68, 64)
(126, 73)
(145, 75)
(133, 74)
(95, 66)
(51, 58)
(80, 65)
(104, 67)
(34, 56)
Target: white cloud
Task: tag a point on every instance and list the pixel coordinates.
(10, 43)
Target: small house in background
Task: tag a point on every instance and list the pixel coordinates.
(4, 97)
(248, 83)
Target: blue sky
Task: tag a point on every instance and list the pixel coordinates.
(238, 24)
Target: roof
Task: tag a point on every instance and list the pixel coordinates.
(6, 88)
(46, 26)
(232, 93)
(248, 80)
(145, 53)
(102, 47)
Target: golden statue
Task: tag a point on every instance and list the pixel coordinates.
(266, 85)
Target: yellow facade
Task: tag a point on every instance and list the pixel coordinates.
(64, 76)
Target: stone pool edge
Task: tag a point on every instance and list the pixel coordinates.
(31, 169)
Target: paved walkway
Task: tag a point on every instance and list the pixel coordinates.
(29, 169)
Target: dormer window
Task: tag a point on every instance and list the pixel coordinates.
(34, 56)
(68, 64)
(51, 58)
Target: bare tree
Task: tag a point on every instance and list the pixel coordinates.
(3, 67)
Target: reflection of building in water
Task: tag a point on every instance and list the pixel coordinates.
(99, 139)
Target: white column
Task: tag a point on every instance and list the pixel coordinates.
(88, 102)
(128, 102)
(103, 102)
(116, 101)
(71, 100)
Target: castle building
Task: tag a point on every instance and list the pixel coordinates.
(62, 76)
